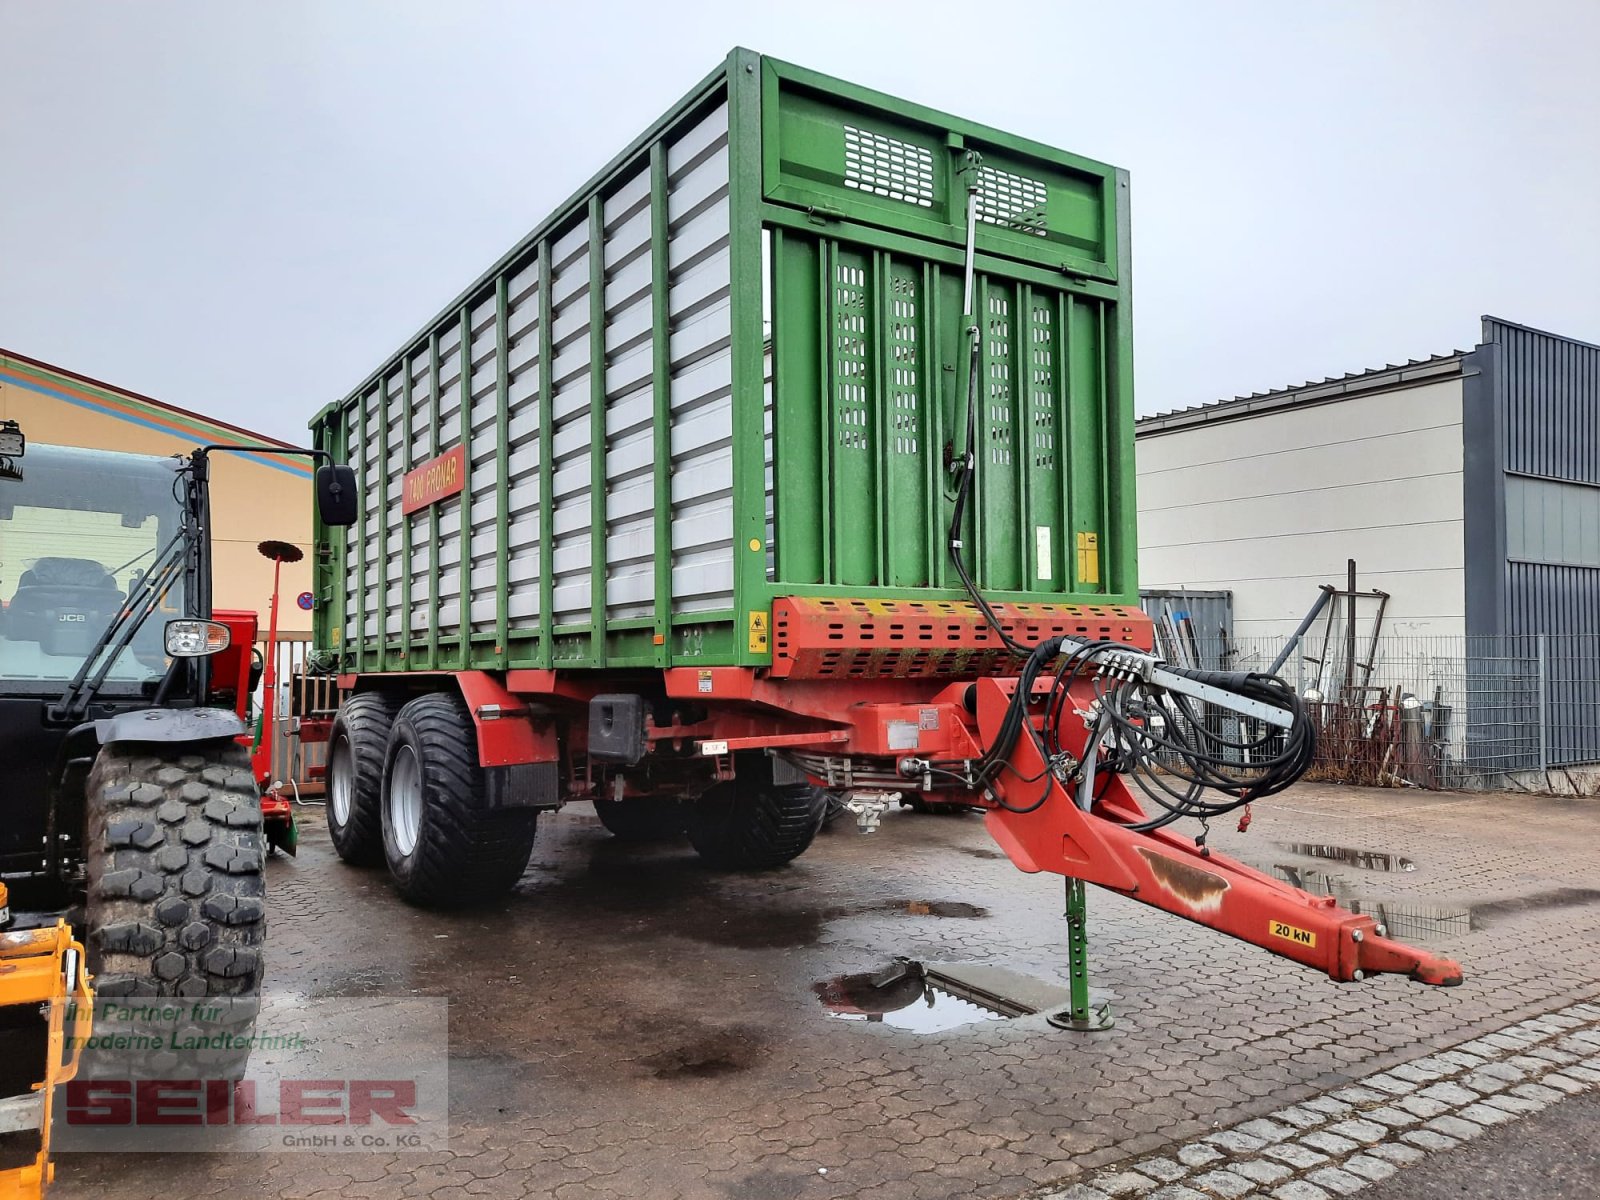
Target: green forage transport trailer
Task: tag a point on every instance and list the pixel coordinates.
(800, 429)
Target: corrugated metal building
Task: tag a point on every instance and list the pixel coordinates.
(1466, 485)
(1531, 434)
(1267, 496)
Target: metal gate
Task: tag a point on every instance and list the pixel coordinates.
(303, 698)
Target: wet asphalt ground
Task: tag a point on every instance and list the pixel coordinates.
(1552, 1155)
(629, 1023)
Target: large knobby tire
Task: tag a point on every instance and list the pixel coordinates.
(177, 885)
(642, 818)
(356, 748)
(443, 845)
(751, 823)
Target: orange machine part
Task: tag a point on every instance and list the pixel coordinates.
(929, 639)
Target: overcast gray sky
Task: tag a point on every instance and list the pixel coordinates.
(243, 207)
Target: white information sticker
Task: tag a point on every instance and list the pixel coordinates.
(903, 735)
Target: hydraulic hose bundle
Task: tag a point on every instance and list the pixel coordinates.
(1172, 745)
(1175, 747)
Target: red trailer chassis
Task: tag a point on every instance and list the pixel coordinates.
(861, 694)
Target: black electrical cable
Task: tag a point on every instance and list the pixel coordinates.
(997, 755)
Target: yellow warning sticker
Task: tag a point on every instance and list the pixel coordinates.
(758, 633)
(1291, 933)
(1088, 557)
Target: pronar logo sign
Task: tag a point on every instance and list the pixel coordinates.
(435, 480)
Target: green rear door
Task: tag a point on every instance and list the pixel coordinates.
(863, 491)
(865, 214)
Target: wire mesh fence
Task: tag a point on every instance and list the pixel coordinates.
(1439, 712)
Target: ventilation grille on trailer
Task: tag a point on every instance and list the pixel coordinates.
(886, 166)
(898, 170)
(1016, 201)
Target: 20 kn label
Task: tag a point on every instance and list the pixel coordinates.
(1292, 933)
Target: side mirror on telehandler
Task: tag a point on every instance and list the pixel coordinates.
(338, 503)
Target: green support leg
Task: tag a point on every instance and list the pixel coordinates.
(1081, 1014)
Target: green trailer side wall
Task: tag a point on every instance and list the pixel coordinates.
(847, 374)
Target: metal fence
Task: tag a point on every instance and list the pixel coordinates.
(1442, 712)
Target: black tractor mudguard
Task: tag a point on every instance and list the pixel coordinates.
(170, 725)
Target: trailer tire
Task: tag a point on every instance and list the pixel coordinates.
(176, 898)
(642, 818)
(443, 846)
(356, 748)
(752, 824)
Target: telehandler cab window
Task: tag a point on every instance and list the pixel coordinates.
(77, 533)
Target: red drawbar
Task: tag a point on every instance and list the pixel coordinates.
(929, 639)
(1171, 872)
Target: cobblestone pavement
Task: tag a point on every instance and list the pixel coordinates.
(1339, 1143)
(629, 1024)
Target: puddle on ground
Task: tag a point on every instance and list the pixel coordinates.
(905, 1003)
(637, 889)
(980, 852)
(366, 981)
(934, 908)
(935, 997)
(1485, 914)
(712, 1054)
(1406, 920)
(1367, 860)
(770, 926)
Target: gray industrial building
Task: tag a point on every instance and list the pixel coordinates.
(1531, 441)
(1467, 487)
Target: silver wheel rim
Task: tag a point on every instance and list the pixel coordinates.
(405, 799)
(340, 783)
